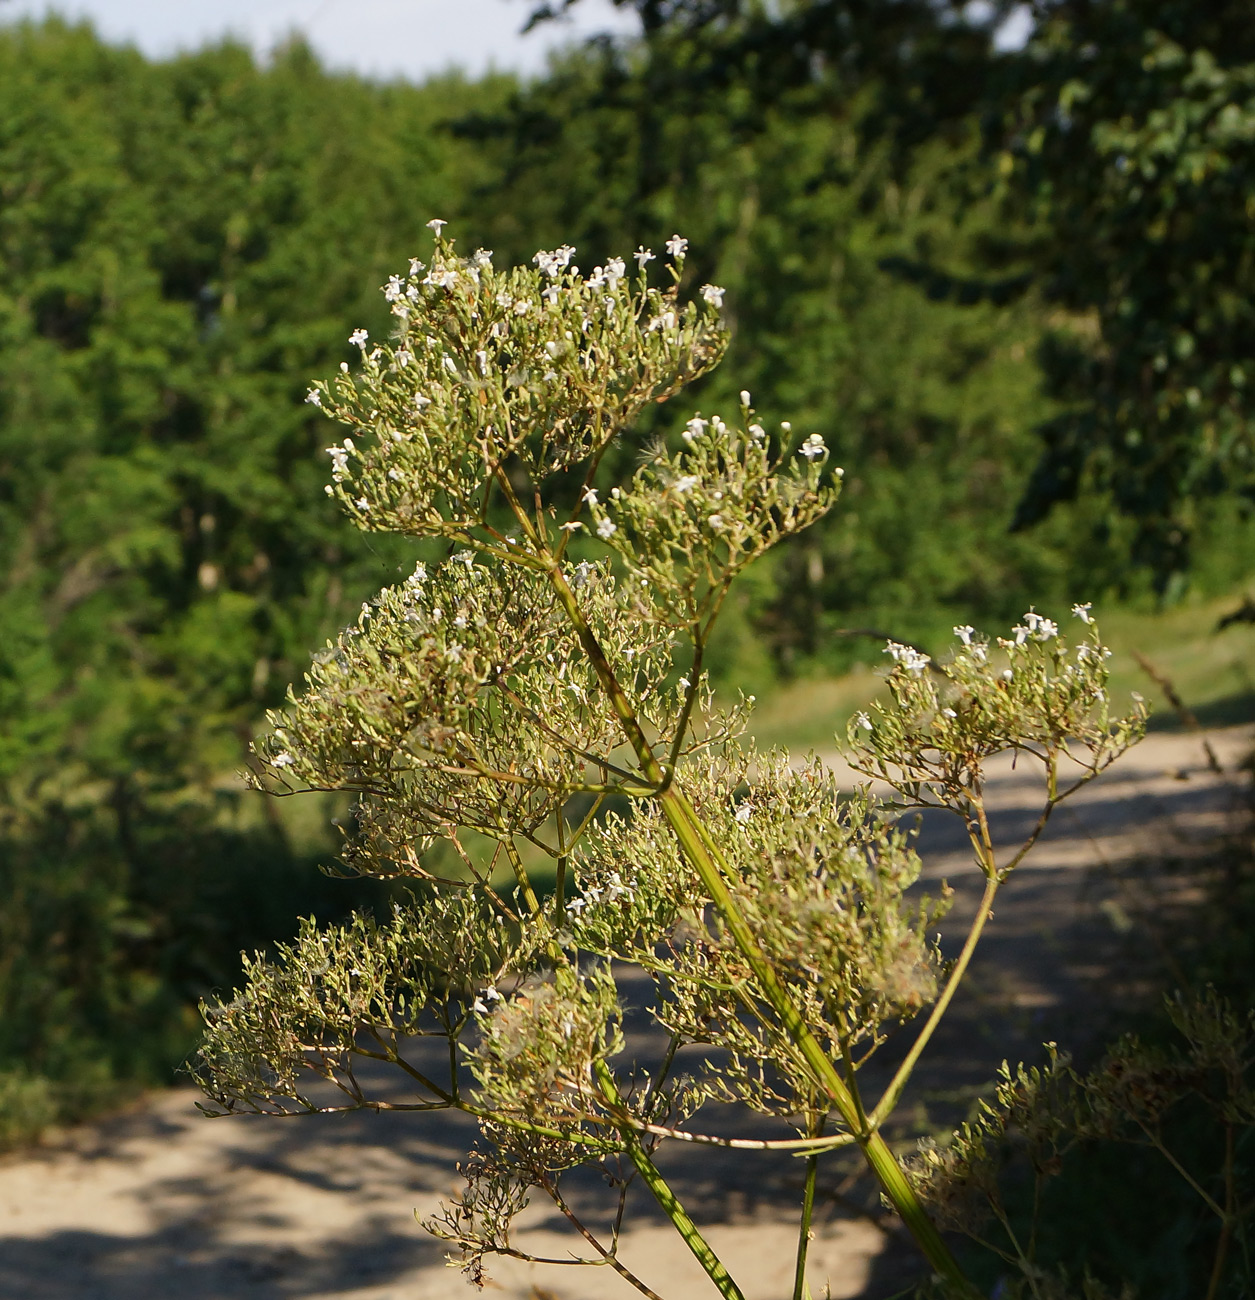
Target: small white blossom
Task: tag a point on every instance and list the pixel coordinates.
(282, 760)
(745, 397)
(571, 526)
(1082, 611)
(908, 657)
(616, 269)
(713, 294)
(813, 447)
(358, 338)
(466, 557)
(395, 289)
(436, 224)
(643, 255)
(551, 294)
(948, 713)
(686, 483)
(677, 246)
(1007, 674)
(554, 263)
(862, 721)
(606, 529)
(419, 576)
(363, 505)
(590, 496)
(421, 402)
(314, 397)
(743, 813)
(694, 428)
(964, 633)
(716, 522)
(583, 573)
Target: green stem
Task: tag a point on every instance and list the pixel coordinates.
(665, 1197)
(800, 1291)
(713, 870)
(893, 1093)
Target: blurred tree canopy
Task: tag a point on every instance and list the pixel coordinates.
(956, 263)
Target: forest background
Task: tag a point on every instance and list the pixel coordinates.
(1011, 288)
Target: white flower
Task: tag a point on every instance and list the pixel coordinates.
(482, 258)
(1007, 674)
(686, 483)
(419, 576)
(314, 397)
(572, 526)
(363, 505)
(716, 522)
(436, 224)
(394, 289)
(1046, 628)
(583, 572)
(416, 266)
(576, 906)
(745, 397)
(813, 447)
(358, 339)
(420, 401)
(553, 264)
(743, 813)
(616, 269)
(642, 256)
(677, 246)
(466, 557)
(551, 294)
(606, 529)
(979, 653)
(449, 364)
(482, 357)
(862, 721)
(282, 760)
(713, 294)
(948, 713)
(590, 496)
(694, 428)
(911, 659)
(964, 633)
(1082, 611)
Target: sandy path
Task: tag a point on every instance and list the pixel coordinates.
(163, 1203)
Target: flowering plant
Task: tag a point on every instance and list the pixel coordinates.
(557, 707)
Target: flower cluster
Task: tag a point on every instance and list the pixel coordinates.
(541, 365)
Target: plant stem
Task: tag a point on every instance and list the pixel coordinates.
(713, 870)
(893, 1092)
(804, 1228)
(665, 1197)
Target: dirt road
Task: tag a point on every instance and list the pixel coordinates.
(163, 1203)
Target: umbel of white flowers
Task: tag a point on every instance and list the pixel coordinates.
(540, 694)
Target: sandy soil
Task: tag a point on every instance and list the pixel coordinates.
(161, 1202)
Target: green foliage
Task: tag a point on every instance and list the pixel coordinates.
(1129, 145)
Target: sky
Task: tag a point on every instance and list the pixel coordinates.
(379, 38)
